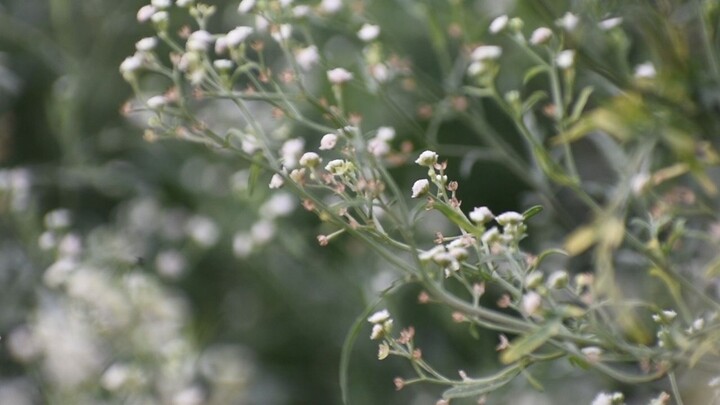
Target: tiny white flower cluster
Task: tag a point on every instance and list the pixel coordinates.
(382, 324)
(606, 398)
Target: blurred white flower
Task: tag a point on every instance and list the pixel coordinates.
(569, 21)
(115, 376)
(306, 58)
(498, 24)
(237, 35)
(146, 44)
(184, 3)
(509, 218)
(610, 23)
(58, 219)
(541, 35)
(279, 205)
(291, 151)
(328, 141)
(531, 302)
(262, 231)
(281, 33)
(378, 147)
(379, 316)
(170, 263)
(145, 13)
(70, 245)
(645, 71)
(387, 134)
(339, 76)
(486, 52)
(193, 395)
(368, 32)
(242, 245)
(161, 3)
(223, 64)
(203, 230)
(331, 6)
(565, 59)
(245, 6)
(301, 11)
(199, 41)
(276, 181)
(156, 102)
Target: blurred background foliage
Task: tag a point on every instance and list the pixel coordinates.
(164, 228)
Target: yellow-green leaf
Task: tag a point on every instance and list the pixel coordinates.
(527, 344)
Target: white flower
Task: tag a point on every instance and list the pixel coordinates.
(565, 59)
(569, 21)
(328, 141)
(156, 102)
(339, 167)
(145, 13)
(610, 23)
(262, 231)
(481, 215)
(285, 3)
(541, 36)
(161, 3)
(184, 3)
(380, 72)
(386, 133)
(170, 264)
(245, 6)
(306, 58)
(276, 181)
(486, 52)
(339, 76)
(558, 279)
(160, 17)
(605, 398)
(531, 302)
(301, 11)
(510, 217)
(279, 205)
(261, 23)
(491, 236)
(368, 32)
(331, 6)
(131, 64)
(290, 152)
(378, 147)
(223, 64)
(592, 353)
(379, 316)
(283, 32)
(427, 158)
(310, 159)
(420, 187)
(498, 24)
(476, 68)
(115, 376)
(242, 245)
(645, 71)
(199, 41)
(377, 332)
(58, 218)
(602, 398)
(237, 35)
(146, 44)
(203, 230)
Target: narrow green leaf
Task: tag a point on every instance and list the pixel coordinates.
(478, 92)
(532, 211)
(527, 344)
(533, 99)
(255, 171)
(545, 253)
(580, 103)
(455, 216)
(533, 71)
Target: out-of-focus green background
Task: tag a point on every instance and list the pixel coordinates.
(173, 215)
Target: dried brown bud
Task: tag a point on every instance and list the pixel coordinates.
(423, 297)
(504, 301)
(399, 383)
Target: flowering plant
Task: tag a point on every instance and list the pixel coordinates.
(623, 155)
